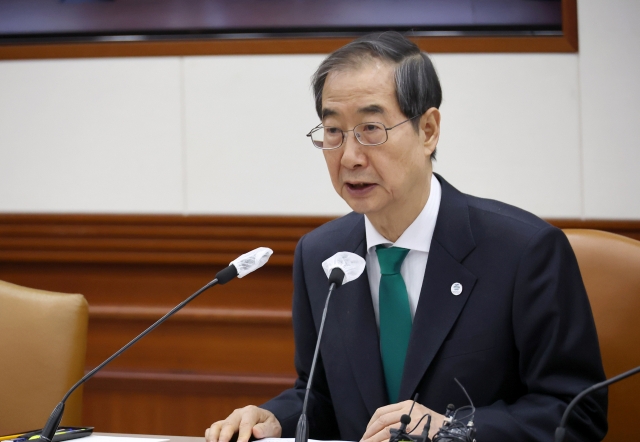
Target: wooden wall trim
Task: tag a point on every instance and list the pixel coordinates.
(191, 315)
(567, 42)
(431, 45)
(176, 239)
(570, 23)
(148, 239)
(190, 383)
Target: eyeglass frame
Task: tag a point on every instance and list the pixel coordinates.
(344, 133)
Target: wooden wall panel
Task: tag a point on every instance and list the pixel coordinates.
(231, 347)
(182, 404)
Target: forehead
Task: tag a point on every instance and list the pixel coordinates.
(369, 83)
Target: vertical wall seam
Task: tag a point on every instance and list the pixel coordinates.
(183, 139)
(583, 213)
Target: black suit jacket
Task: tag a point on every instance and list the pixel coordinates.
(520, 337)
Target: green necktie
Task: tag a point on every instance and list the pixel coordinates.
(395, 317)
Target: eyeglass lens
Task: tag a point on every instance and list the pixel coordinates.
(369, 134)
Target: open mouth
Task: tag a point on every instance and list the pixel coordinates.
(359, 186)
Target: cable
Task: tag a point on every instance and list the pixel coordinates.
(414, 428)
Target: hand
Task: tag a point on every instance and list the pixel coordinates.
(246, 421)
(389, 417)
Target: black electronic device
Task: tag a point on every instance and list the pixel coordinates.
(454, 428)
(63, 434)
(402, 435)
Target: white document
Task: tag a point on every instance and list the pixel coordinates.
(291, 439)
(100, 438)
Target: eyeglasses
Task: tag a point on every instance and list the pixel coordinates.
(367, 134)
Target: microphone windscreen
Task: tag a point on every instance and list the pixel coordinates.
(251, 261)
(351, 264)
(227, 274)
(336, 277)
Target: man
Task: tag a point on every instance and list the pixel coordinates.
(455, 286)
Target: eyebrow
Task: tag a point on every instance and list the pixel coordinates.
(371, 109)
(328, 113)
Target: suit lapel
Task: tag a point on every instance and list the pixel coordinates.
(436, 313)
(438, 307)
(359, 329)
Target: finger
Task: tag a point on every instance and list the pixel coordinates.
(270, 427)
(392, 418)
(211, 433)
(249, 419)
(266, 429)
(384, 410)
(382, 435)
(261, 431)
(229, 426)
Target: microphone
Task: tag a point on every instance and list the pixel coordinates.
(341, 268)
(401, 433)
(241, 266)
(561, 430)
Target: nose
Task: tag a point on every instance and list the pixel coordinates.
(353, 154)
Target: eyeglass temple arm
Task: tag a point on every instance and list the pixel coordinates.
(402, 122)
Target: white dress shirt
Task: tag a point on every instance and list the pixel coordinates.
(417, 238)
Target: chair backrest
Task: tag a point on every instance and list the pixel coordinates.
(610, 268)
(43, 339)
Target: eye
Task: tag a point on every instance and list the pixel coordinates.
(370, 128)
(332, 130)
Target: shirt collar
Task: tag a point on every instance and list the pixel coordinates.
(419, 234)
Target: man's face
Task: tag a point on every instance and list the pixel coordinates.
(385, 180)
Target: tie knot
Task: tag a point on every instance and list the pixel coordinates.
(390, 259)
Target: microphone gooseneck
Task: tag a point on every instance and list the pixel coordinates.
(561, 430)
(222, 277)
(340, 269)
(53, 423)
(302, 430)
(425, 430)
(401, 434)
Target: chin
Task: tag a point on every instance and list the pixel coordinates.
(360, 206)
(364, 204)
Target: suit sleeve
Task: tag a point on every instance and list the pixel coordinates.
(287, 407)
(559, 355)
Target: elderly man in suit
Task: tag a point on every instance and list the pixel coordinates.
(455, 286)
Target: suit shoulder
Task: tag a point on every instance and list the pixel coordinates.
(334, 230)
(504, 219)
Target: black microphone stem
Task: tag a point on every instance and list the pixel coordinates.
(315, 354)
(53, 422)
(561, 430)
(302, 430)
(140, 336)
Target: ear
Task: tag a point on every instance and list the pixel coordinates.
(430, 129)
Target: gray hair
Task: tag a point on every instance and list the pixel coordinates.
(417, 84)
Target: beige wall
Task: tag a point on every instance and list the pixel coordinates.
(556, 134)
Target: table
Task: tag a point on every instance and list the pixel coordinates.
(171, 438)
